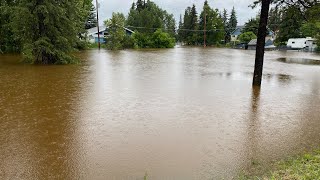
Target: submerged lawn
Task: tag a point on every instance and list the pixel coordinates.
(305, 167)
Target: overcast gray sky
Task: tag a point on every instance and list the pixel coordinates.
(177, 7)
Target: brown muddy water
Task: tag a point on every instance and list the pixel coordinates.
(183, 113)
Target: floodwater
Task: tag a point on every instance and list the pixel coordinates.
(183, 113)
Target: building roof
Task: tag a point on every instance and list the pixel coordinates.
(305, 39)
(237, 31)
(103, 28)
(128, 30)
(253, 42)
(95, 30)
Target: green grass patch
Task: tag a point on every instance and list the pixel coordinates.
(304, 167)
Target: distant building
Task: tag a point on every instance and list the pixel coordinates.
(236, 33)
(308, 44)
(92, 34)
(253, 43)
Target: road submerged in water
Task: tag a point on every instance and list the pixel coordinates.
(183, 113)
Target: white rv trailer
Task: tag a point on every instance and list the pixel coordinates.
(302, 43)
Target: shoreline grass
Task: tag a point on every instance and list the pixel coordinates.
(303, 167)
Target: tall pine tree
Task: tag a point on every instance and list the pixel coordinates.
(224, 17)
(91, 21)
(233, 22)
(48, 29)
(213, 23)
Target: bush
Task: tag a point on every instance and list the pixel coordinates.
(128, 42)
(247, 37)
(161, 39)
(158, 39)
(81, 45)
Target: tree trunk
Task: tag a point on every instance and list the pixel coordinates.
(262, 33)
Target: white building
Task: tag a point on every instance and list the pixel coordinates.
(308, 43)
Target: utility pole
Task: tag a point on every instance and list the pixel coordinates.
(205, 29)
(97, 6)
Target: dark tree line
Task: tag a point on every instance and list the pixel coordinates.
(146, 17)
(216, 26)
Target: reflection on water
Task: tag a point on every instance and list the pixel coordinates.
(184, 113)
(300, 61)
(253, 129)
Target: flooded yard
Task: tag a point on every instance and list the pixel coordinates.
(183, 113)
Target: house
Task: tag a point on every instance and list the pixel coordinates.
(92, 34)
(253, 43)
(308, 44)
(236, 33)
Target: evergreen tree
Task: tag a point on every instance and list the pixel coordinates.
(251, 26)
(213, 22)
(8, 41)
(194, 25)
(140, 5)
(48, 31)
(91, 21)
(274, 20)
(233, 22)
(186, 25)
(180, 29)
(290, 26)
(224, 17)
(170, 24)
(149, 16)
(146, 18)
(191, 26)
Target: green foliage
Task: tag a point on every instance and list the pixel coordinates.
(47, 34)
(303, 167)
(128, 42)
(247, 37)
(291, 23)
(218, 26)
(213, 22)
(311, 29)
(252, 25)
(147, 17)
(190, 25)
(8, 41)
(91, 20)
(159, 39)
(116, 31)
(180, 35)
(292, 18)
(227, 34)
(274, 19)
(233, 22)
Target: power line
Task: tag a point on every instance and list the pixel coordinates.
(189, 30)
